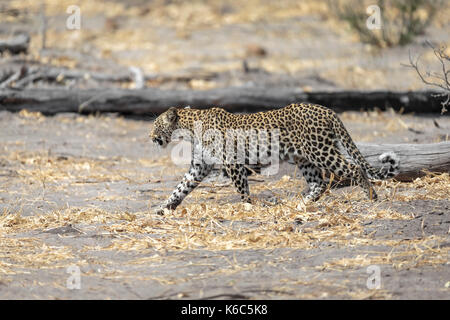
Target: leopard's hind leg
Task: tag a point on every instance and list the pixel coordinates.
(336, 163)
(313, 177)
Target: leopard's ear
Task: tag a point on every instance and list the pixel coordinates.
(171, 114)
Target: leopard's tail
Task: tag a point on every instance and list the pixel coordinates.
(390, 161)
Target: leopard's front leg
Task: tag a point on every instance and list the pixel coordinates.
(191, 179)
(238, 174)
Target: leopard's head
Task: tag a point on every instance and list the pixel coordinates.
(164, 126)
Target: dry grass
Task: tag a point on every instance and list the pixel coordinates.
(19, 254)
(208, 220)
(217, 225)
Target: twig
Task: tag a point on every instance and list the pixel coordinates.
(14, 77)
(443, 80)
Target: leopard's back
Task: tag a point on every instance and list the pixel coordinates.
(304, 130)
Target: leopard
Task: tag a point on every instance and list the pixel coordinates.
(308, 135)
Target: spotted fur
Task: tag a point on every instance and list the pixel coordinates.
(311, 136)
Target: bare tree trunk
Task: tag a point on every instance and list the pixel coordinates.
(153, 101)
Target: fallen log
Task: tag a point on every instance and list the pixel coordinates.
(16, 44)
(152, 101)
(414, 158)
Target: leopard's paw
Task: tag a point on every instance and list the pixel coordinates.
(162, 211)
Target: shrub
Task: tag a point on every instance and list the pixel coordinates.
(402, 20)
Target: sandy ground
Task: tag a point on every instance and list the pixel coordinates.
(78, 192)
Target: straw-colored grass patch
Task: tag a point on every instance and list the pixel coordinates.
(19, 254)
(404, 254)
